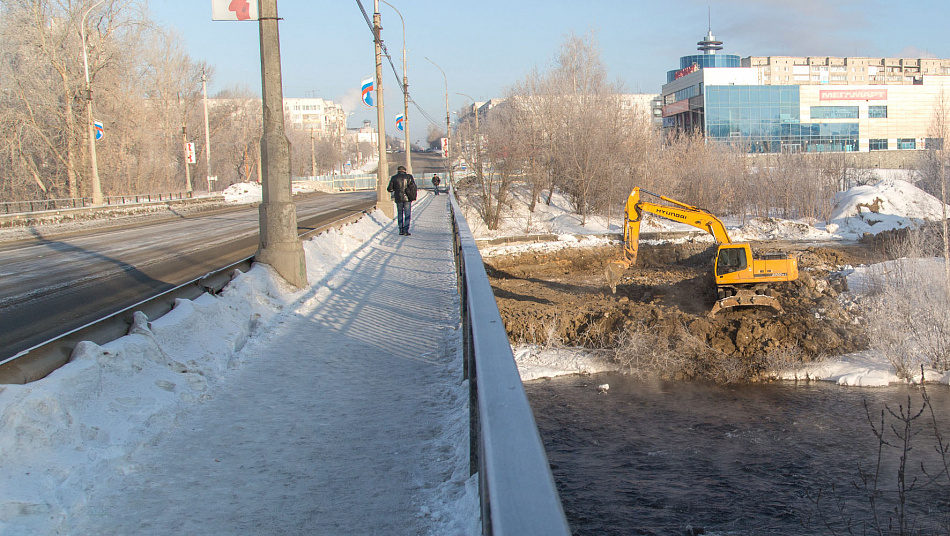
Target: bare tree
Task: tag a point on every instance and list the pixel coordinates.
(940, 133)
(588, 121)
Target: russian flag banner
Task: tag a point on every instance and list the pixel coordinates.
(368, 92)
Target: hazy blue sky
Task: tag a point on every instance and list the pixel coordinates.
(486, 46)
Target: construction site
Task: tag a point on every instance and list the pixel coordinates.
(659, 320)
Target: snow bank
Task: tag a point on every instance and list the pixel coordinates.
(243, 192)
(889, 204)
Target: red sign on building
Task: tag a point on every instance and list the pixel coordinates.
(852, 94)
(685, 71)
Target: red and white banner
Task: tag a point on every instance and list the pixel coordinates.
(234, 10)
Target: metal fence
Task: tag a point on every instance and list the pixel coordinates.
(39, 205)
(516, 487)
(356, 181)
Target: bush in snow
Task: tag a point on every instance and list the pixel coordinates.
(908, 312)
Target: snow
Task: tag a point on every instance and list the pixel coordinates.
(243, 192)
(183, 426)
(264, 409)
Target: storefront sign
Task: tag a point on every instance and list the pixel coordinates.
(852, 94)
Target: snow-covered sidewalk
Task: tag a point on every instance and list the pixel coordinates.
(345, 413)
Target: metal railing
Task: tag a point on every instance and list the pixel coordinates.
(40, 205)
(356, 181)
(516, 487)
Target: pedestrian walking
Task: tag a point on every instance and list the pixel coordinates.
(435, 183)
(403, 188)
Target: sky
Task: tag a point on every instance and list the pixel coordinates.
(487, 46)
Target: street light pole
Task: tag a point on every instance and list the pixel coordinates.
(204, 91)
(478, 149)
(448, 121)
(405, 91)
(279, 245)
(184, 141)
(90, 124)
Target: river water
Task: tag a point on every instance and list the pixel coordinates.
(653, 457)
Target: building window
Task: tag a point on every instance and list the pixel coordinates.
(877, 112)
(877, 145)
(834, 112)
(906, 143)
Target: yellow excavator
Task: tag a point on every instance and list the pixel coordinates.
(742, 278)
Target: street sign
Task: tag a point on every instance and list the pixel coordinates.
(234, 10)
(190, 152)
(100, 131)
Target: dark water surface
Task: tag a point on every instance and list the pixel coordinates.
(670, 457)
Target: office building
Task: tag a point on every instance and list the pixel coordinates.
(772, 104)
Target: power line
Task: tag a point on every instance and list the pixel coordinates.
(377, 38)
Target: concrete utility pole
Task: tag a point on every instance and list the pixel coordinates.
(313, 157)
(383, 201)
(280, 247)
(97, 198)
(204, 90)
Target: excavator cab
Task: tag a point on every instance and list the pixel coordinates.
(731, 260)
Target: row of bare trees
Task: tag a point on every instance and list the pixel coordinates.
(569, 129)
(146, 91)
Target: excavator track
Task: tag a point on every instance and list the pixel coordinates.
(743, 298)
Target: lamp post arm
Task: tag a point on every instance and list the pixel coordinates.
(82, 35)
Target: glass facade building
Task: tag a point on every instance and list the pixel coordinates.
(768, 119)
(805, 103)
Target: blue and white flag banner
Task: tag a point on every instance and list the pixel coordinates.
(368, 92)
(400, 122)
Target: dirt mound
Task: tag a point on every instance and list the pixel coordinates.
(661, 308)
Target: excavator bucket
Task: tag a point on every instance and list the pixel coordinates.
(744, 298)
(614, 273)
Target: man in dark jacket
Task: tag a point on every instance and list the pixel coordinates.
(403, 188)
(435, 183)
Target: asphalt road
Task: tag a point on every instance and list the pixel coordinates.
(49, 286)
(421, 163)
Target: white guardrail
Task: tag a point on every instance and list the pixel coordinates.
(517, 490)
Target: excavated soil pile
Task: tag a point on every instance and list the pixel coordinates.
(658, 318)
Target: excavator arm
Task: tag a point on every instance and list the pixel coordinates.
(679, 212)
